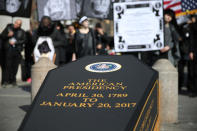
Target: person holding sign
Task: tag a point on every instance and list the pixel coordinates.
(171, 40)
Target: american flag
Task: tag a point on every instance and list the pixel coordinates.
(180, 6)
(189, 5)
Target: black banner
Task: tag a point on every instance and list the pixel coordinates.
(97, 8)
(57, 9)
(20, 8)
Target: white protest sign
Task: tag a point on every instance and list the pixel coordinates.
(138, 26)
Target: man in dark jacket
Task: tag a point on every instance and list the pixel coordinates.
(70, 40)
(101, 40)
(14, 38)
(47, 28)
(193, 57)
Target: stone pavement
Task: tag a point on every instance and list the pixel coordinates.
(14, 102)
(187, 118)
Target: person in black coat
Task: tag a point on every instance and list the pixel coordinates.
(29, 61)
(193, 57)
(14, 38)
(70, 40)
(85, 42)
(47, 28)
(61, 48)
(102, 40)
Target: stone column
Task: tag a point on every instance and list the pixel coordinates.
(39, 71)
(168, 79)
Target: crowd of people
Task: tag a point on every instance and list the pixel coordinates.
(79, 40)
(68, 45)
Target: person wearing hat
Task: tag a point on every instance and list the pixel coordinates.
(102, 40)
(84, 40)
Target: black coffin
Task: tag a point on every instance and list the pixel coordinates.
(96, 93)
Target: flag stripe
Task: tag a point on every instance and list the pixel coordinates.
(166, 2)
(178, 11)
(174, 5)
(176, 8)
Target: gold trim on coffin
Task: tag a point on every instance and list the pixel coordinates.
(156, 128)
